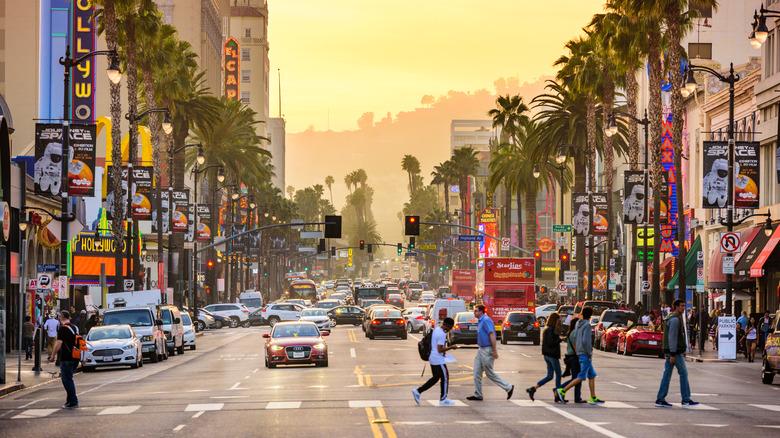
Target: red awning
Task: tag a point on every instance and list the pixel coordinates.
(715, 275)
(757, 270)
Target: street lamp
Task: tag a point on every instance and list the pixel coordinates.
(561, 169)
(537, 173)
(194, 272)
(731, 79)
(144, 250)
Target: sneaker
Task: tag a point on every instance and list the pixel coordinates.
(580, 401)
(531, 392)
(416, 395)
(690, 403)
(69, 406)
(560, 395)
(446, 402)
(595, 401)
(662, 404)
(474, 398)
(509, 393)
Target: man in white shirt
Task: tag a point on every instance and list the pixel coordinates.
(438, 363)
(51, 326)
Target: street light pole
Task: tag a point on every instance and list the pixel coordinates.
(200, 159)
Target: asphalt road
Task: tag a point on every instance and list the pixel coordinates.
(224, 388)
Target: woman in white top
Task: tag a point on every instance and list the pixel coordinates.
(751, 338)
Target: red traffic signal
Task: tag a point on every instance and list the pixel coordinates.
(537, 254)
(565, 257)
(362, 244)
(210, 263)
(412, 226)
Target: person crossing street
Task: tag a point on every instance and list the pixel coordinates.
(486, 355)
(675, 352)
(438, 362)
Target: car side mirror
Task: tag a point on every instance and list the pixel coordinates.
(177, 321)
(158, 322)
(325, 333)
(266, 335)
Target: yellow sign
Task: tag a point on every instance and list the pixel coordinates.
(349, 261)
(488, 216)
(641, 232)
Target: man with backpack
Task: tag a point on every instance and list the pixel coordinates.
(67, 339)
(675, 350)
(436, 344)
(583, 346)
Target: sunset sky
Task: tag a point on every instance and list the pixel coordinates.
(354, 56)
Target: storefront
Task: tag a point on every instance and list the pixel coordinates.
(740, 281)
(690, 273)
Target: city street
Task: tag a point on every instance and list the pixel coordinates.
(223, 387)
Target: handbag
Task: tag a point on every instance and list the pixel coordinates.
(567, 361)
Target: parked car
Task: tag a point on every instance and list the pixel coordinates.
(346, 315)
(641, 339)
(415, 319)
(771, 362)
(543, 312)
(465, 329)
(172, 328)
(112, 345)
(610, 318)
(205, 321)
(293, 343)
(219, 320)
(146, 326)
(520, 326)
(238, 313)
(189, 330)
(278, 312)
(386, 322)
(317, 316)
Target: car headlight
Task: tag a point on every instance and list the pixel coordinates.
(128, 347)
(147, 338)
(277, 348)
(319, 346)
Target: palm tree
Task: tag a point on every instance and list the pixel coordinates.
(329, 181)
(443, 175)
(464, 165)
(290, 191)
(411, 165)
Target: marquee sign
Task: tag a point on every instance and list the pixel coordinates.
(231, 68)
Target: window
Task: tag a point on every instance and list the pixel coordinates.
(245, 97)
(700, 50)
(246, 75)
(248, 32)
(246, 54)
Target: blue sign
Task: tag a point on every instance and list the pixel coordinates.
(48, 267)
(411, 254)
(471, 237)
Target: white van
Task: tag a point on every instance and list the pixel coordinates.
(441, 309)
(252, 300)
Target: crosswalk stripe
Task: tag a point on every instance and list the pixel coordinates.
(699, 407)
(204, 407)
(436, 403)
(365, 404)
(529, 403)
(35, 413)
(616, 405)
(775, 408)
(283, 405)
(119, 410)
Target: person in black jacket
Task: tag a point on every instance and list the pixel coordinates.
(551, 350)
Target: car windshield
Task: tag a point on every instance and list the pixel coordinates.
(465, 317)
(166, 316)
(312, 312)
(99, 333)
(618, 317)
(371, 302)
(185, 319)
(387, 314)
(294, 331)
(520, 317)
(327, 304)
(132, 317)
(394, 296)
(252, 302)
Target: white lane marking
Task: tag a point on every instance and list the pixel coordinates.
(283, 405)
(529, 403)
(204, 407)
(511, 351)
(255, 370)
(768, 426)
(699, 407)
(414, 337)
(197, 390)
(230, 396)
(246, 377)
(119, 410)
(473, 422)
(31, 403)
(198, 414)
(711, 425)
(413, 423)
(235, 387)
(352, 352)
(179, 427)
(775, 408)
(588, 424)
(365, 404)
(537, 422)
(160, 392)
(617, 405)
(654, 424)
(34, 413)
(695, 394)
(624, 384)
(525, 355)
(436, 403)
(317, 386)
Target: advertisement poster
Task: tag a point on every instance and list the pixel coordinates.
(581, 221)
(509, 271)
(634, 202)
(190, 236)
(180, 210)
(600, 217)
(488, 223)
(204, 223)
(165, 220)
(746, 174)
(143, 185)
(48, 160)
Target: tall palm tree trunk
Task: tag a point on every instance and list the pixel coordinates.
(132, 102)
(508, 212)
(154, 127)
(521, 231)
(530, 220)
(607, 100)
(590, 115)
(656, 125)
(633, 154)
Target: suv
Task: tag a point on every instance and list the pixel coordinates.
(172, 328)
(771, 361)
(520, 326)
(238, 313)
(146, 327)
(277, 312)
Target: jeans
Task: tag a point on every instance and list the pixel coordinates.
(553, 366)
(484, 363)
(685, 389)
(28, 348)
(67, 367)
(574, 367)
(440, 374)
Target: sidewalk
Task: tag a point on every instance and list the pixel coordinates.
(30, 378)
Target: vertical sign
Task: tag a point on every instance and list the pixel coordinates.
(164, 204)
(746, 174)
(581, 214)
(634, 203)
(231, 68)
(727, 337)
(83, 75)
(204, 223)
(142, 192)
(48, 159)
(180, 210)
(488, 223)
(600, 215)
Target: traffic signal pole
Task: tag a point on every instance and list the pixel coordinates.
(478, 231)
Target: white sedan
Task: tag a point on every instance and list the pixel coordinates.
(113, 345)
(189, 330)
(317, 316)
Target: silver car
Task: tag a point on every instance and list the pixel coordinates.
(112, 345)
(189, 330)
(317, 316)
(415, 319)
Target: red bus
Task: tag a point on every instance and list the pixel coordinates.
(463, 284)
(504, 285)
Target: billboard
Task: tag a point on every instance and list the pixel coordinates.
(746, 174)
(83, 75)
(48, 159)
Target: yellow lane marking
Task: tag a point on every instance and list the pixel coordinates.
(388, 427)
(466, 366)
(420, 383)
(374, 426)
(359, 375)
(368, 380)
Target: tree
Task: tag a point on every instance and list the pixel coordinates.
(290, 191)
(443, 174)
(411, 165)
(329, 181)
(464, 165)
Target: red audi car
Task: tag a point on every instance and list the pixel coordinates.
(294, 343)
(641, 339)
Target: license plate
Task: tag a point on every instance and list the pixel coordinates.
(473, 328)
(108, 358)
(388, 322)
(521, 335)
(300, 355)
(653, 342)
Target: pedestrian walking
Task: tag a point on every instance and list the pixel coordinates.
(28, 331)
(750, 339)
(572, 364)
(743, 319)
(93, 321)
(675, 351)
(63, 353)
(741, 347)
(81, 322)
(583, 346)
(765, 326)
(51, 326)
(437, 360)
(551, 350)
(486, 355)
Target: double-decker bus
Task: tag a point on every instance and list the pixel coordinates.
(293, 276)
(505, 285)
(463, 284)
(302, 290)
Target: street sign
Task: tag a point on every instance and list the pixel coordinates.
(562, 289)
(727, 337)
(311, 235)
(427, 246)
(570, 278)
(728, 264)
(561, 228)
(562, 240)
(645, 287)
(471, 237)
(700, 276)
(48, 267)
(411, 254)
(33, 284)
(129, 284)
(729, 242)
(201, 277)
(45, 281)
(296, 221)
(505, 244)
(63, 289)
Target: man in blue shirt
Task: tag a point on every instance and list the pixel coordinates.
(743, 319)
(487, 353)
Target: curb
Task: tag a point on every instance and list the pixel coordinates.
(699, 359)
(11, 388)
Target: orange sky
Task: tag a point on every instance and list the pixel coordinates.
(353, 56)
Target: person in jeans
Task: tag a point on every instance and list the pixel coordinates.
(28, 331)
(486, 355)
(63, 351)
(438, 363)
(583, 346)
(551, 350)
(572, 364)
(764, 327)
(675, 351)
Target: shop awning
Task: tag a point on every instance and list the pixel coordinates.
(750, 253)
(715, 276)
(690, 267)
(667, 269)
(757, 269)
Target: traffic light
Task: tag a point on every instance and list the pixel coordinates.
(321, 247)
(333, 251)
(565, 260)
(370, 248)
(210, 264)
(411, 243)
(332, 227)
(412, 225)
(400, 248)
(362, 244)
(538, 263)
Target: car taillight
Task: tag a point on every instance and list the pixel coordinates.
(457, 326)
(400, 321)
(264, 309)
(245, 310)
(536, 324)
(506, 324)
(375, 322)
(420, 317)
